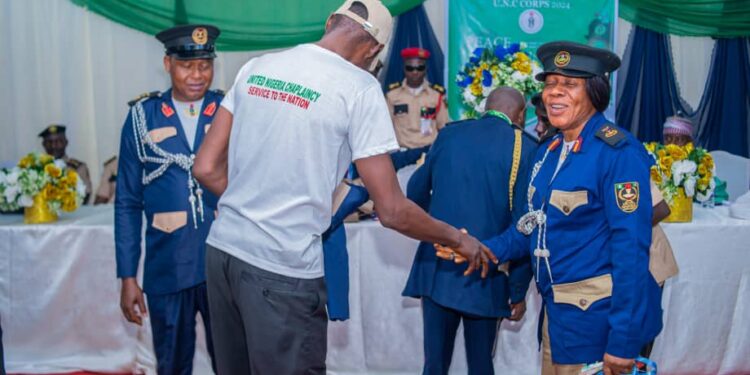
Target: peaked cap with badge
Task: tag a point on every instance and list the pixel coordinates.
(52, 129)
(575, 60)
(187, 42)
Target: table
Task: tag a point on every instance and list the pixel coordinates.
(59, 299)
(59, 303)
(707, 306)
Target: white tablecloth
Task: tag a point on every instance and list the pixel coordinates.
(59, 303)
(59, 298)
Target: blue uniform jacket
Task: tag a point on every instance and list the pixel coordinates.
(175, 253)
(464, 182)
(336, 257)
(602, 297)
(335, 254)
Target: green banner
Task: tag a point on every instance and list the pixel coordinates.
(245, 25)
(490, 23)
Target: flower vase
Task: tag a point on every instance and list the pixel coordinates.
(681, 207)
(39, 212)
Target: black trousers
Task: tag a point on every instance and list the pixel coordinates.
(173, 328)
(263, 322)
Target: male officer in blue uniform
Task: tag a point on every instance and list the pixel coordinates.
(160, 137)
(474, 177)
(589, 222)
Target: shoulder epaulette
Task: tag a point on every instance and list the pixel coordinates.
(394, 85)
(151, 94)
(73, 163)
(610, 134)
(219, 92)
(438, 88)
(113, 158)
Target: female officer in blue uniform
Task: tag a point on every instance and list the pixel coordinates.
(160, 137)
(588, 227)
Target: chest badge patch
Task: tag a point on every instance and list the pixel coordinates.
(166, 110)
(210, 109)
(627, 194)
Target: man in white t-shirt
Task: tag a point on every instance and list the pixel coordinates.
(282, 140)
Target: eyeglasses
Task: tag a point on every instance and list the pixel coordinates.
(419, 68)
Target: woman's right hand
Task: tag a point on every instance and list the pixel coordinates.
(481, 258)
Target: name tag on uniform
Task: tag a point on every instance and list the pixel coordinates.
(425, 126)
(399, 109)
(428, 112)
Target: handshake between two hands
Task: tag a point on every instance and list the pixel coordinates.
(468, 250)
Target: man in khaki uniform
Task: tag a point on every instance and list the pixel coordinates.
(106, 191)
(418, 109)
(55, 142)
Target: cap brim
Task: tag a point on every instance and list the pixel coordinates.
(564, 72)
(205, 55)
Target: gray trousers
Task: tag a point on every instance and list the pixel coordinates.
(262, 322)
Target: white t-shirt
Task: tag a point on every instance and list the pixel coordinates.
(300, 117)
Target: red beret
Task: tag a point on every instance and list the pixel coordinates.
(415, 52)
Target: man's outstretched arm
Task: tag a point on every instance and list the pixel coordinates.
(395, 211)
(210, 168)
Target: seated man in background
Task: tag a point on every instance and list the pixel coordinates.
(105, 193)
(486, 195)
(55, 142)
(678, 131)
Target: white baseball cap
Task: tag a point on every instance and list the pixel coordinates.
(379, 21)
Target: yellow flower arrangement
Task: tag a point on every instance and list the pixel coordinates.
(488, 68)
(677, 152)
(40, 176)
(52, 170)
(521, 62)
(687, 167)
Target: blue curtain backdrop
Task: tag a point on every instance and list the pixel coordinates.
(723, 116)
(648, 89)
(648, 93)
(414, 30)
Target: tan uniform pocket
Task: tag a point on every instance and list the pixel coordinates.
(160, 134)
(584, 293)
(567, 201)
(169, 222)
(339, 194)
